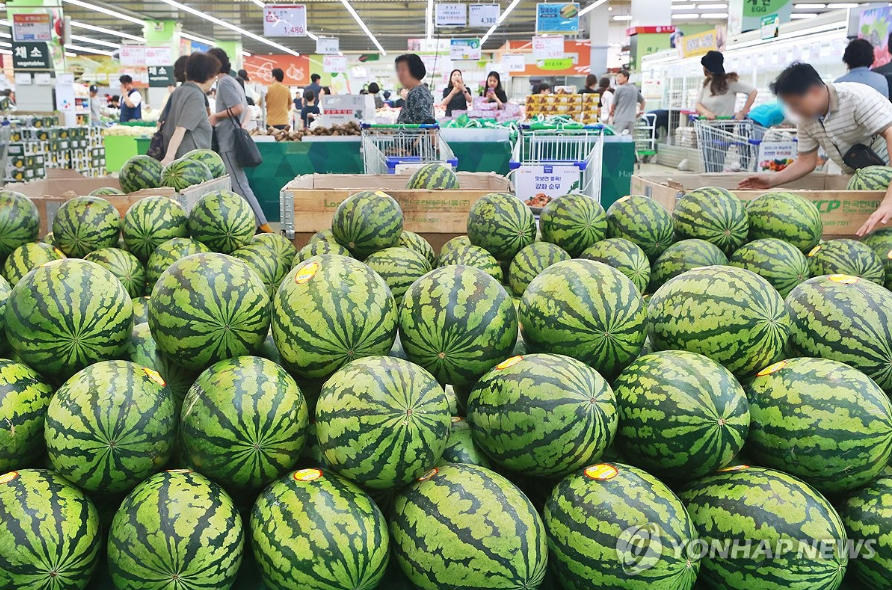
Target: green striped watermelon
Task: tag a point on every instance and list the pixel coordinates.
(124, 265)
(457, 322)
(5, 291)
(183, 173)
(142, 350)
(871, 178)
(543, 415)
(415, 242)
(464, 527)
(281, 247)
(314, 530)
(586, 310)
(209, 158)
(460, 446)
(614, 526)
(168, 253)
(785, 216)
(847, 257)
(864, 514)
(776, 511)
(268, 349)
(19, 221)
(140, 172)
(105, 191)
(196, 539)
(642, 221)
(110, 426)
(223, 221)
(683, 256)
(329, 311)
(49, 531)
(881, 242)
(573, 222)
(152, 221)
(366, 222)
(625, 257)
(844, 319)
(778, 262)
(501, 224)
(820, 420)
(454, 244)
(265, 264)
(140, 309)
(399, 267)
(433, 176)
(712, 214)
(731, 315)
(530, 262)
(681, 414)
(84, 224)
(66, 315)
(475, 257)
(24, 398)
(196, 327)
(243, 423)
(318, 248)
(325, 235)
(382, 422)
(48, 239)
(26, 258)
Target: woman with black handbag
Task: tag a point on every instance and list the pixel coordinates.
(185, 126)
(235, 147)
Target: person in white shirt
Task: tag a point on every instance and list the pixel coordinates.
(131, 100)
(718, 95)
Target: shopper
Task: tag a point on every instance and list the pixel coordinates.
(494, 91)
(853, 124)
(590, 81)
(250, 92)
(858, 57)
(544, 88)
(375, 91)
(419, 107)
(626, 103)
(456, 96)
(718, 94)
(231, 110)
(95, 107)
(131, 100)
(310, 110)
(401, 101)
(186, 125)
(314, 86)
(886, 70)
(179, 69)
(607, 93)
(278, 101)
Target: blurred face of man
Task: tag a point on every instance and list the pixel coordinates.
(621, 79)
(811, 105)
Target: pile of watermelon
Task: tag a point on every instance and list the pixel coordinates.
(593, 399)
(195, 167)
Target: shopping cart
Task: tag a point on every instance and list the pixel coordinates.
(391, 149)
(729, 145)
(646, 137)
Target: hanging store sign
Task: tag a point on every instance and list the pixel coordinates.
(160, 76)
(133, 55)
(31, 56)
(548, 47)
(36, 26)
(158, 56)
(328, 46)
(465, 49)
(514, 63)
(770, 26)
(483, 15)
(451, 15)
(334, 64)
(285, 20)
(557, 18)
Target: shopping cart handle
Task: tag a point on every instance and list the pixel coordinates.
(398, 126)
(512, 165)
(453, 162)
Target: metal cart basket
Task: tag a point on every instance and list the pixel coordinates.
(728, 145)
(646, 137)
(389, 149)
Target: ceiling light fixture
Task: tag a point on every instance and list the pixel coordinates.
(103, 10)
(96, 41)
(803, 15)
(591, 7)
(197, 39)
(364, 28)
(94, 28)
(502, 18)
(259, 3)
(88, 50)
(623, 17)
(429, 19)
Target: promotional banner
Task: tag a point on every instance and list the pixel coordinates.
(465, 49)
(285, 20)
(451, 15)
(483, 15)
(702, 43)
(296, 68)
(557, 18)
(328, 45)
(36, 26)
(548, 47)
(550, 180)
(746, 15)
(875, 25)
(770, 27)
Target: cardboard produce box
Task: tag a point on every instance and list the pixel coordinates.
(842, 211)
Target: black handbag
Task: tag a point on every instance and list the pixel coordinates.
(156, 147)
(247, 154)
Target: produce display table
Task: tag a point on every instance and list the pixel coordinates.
(119, 149)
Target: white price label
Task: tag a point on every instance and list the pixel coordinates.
(514, 63)
(484, 15)
(334, 64)
(285, 20)
(328, 45)
(451, 15)
(551, 47)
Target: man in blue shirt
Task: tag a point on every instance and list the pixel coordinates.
(859, 57)
(131, 100)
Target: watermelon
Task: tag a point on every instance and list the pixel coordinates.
(681, 414)
(399, 267)
(382, 422)
(733, 316)
(464, 527)
(84, 224)
(48, 239)
(454, 244)
(24, 398)
(573, 223)
(142, 350)
(169, 252)
(871, 178)
(140, 172)
(265, 264)
(802, 537)
(625, 257)
(847, 257)
(318, 248)
(366, 222)
(460, 446)
(881, 243)
(110, 426)
(642, 221)
(106, 191)
(49, 531)
(683, 256)
(785, 216)
(543, 415)
(183, 173)
(19, 221)
(152, 221)
(26, 258)
(820, 420)
(223, 221)
(281, 247)
(433, 176)
(209, 158)
(615, 526)
(329, 311)
(325, 235)
(501, 224)
(712, 214)
(66, 315)
(313, 530)
(845, 319)
(244, 422)
(866, 513)
(530, 262)
(457, 322)
(778, 262)
(196, 539)
(475, 257)
(140, 309)
(586, 310)
(415, 242)
(5, 290)
(124, 265)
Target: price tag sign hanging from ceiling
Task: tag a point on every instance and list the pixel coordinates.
(334, 64)
(557, 18)
(551, 47)
(280, 20)
(328, 46)
(483, 15)
(451, 15)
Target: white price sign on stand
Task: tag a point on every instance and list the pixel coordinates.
(547, 179)
(328, 45)
(550, 47)
(285, 20)
(451, 15)
(133, 55)
(158, 56)
(334, 64)
(484, 15)
(514, 63)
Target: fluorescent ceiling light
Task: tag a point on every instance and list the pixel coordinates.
(685, 16)
(96, 29)
(6, 35)
(364, 28)
(5, 44)
(809, 6)
(5, 52)
(715, 15)
(67, 54)
(719, 6)
(196, 38)
(429, 19)
(591, 7)
(684, 6)
(843, 5)
(624, 17)
(96, 41)
(803, 15)
(88, 50)
(502, 18)
(259, 3)
(246, 54)
(103, 10)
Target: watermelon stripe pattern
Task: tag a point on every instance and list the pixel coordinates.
(473, 256)
(776, 261)
(124, 265)
(501, 224)
(24, 398)
(683, 256)
(183, 173)
(366, 222)
(19, 221)
(168, 253)
(281, 246)
(84, 224)
(318, 248)
(785, 216)
(712, 214)
(455, 243)
(847, 257)
(209, 158)
(143, 351)
(530, 262)
(573, 223)
(105, 191)
(415, 242)
(433, 176)
(864, 513)
(643, 222)
(881, 242)
(268, 267)
(460, 447)
(871, 178)
(399, 267)
(625, 257)
(5, 291)
(26, 258)
(140, 172)
(223, 221)
(151, 222)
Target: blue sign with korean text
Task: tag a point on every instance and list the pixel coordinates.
(557, 18)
